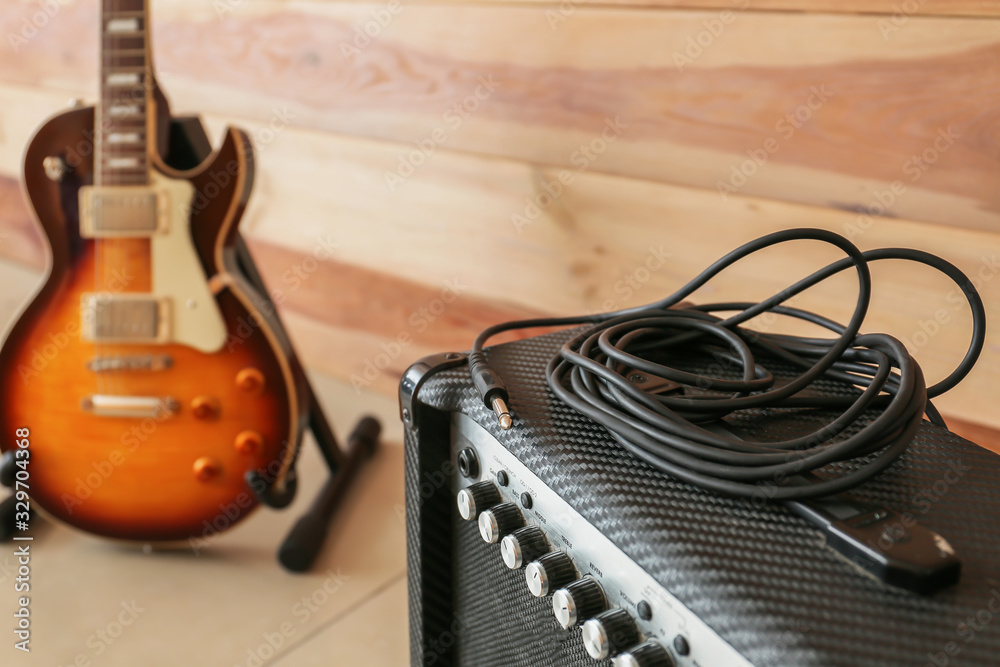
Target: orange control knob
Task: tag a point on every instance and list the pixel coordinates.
(251, 380)
(204, 407)
(206, 469)
(249, 442)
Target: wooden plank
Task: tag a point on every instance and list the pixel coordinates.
(980, 434)
(984, 8)
(891, 92)
(452, 224)
(981, 8)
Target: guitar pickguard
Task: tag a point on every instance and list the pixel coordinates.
(185, 310)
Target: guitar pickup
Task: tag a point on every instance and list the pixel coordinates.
(154, 407)
(124, 318)
(123, 211)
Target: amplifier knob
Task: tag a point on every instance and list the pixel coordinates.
(579, 601)
(609, 633)
(523, 545)
(647, 654)
(498, 521)
(476, 498)
(549, 573)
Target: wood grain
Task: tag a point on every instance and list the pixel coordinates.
(354, 271)
(890, 94)
(983, 8)
(887, 7)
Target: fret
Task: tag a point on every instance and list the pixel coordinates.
(120, 152)
(126, 70)
(130, 53)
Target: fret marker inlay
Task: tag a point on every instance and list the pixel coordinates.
(123, 162)
(123, 79)
(124, 138)
(123, 110)
(123, 25)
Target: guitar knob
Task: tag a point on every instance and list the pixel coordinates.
(476, 498)
(609, 633)
(249, 442)
(647, 654)
(204, 407)
(549, 573)
(206, 469)
(523, 545)
(251, 380)
(579, 601)
(498, 521)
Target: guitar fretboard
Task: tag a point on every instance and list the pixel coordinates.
(122, 156)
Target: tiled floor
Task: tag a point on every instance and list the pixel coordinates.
(232, 605)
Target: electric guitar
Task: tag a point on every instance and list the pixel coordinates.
(159, 393)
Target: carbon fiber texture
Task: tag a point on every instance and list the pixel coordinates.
(760, 576)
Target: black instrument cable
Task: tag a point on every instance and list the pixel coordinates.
(674, 432)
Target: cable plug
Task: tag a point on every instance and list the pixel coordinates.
(491, 388)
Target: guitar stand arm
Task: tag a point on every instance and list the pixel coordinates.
(305, 540)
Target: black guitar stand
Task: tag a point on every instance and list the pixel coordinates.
(188, 147)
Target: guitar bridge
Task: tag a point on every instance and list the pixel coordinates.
(130, 362)
(130, 406)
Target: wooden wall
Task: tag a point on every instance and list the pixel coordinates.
(471, 162)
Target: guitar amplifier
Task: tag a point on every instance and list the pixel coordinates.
(549, 545)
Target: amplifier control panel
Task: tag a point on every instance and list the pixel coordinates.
(619, 610)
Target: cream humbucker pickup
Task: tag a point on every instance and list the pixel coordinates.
(125, 318)
(123, 211)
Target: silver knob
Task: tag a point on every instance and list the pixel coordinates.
(579, 601)
(549, 573)
(647, 654)
(498, 521)
(609, 633)
(523, 545)
(476, 498)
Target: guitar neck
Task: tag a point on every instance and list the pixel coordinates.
(123, 124)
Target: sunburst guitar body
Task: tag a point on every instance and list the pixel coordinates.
(153, 382)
